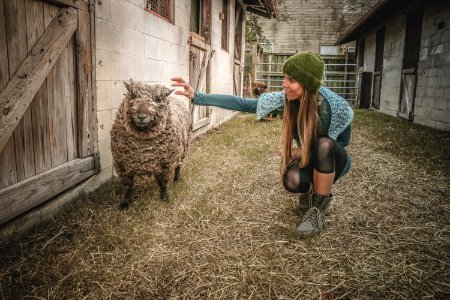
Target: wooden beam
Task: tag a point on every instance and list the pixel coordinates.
(78, 4)
(22, 196)
(18, 94)
(86, 110)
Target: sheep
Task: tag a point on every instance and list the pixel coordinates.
(150, 136)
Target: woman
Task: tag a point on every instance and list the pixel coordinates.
(316, 128)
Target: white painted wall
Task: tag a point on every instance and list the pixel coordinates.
(132, 43)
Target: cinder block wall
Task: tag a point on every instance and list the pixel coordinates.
(132, 43)
(432, 103)
(392, 65)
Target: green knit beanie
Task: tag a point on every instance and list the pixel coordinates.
(306, 68)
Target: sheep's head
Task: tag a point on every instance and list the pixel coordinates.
(147, 106)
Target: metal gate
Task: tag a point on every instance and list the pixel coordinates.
(339, 74)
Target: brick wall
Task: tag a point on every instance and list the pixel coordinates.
(432, 103)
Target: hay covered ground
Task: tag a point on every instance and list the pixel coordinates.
(229, 229)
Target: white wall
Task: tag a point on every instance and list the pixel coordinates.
(132, 43)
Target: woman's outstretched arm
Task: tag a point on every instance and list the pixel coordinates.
(229, 102)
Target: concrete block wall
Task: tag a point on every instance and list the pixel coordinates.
(432, 103)
(392, 65)
(132, 43)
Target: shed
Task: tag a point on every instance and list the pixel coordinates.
(404, 60)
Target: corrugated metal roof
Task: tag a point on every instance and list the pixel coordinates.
(381, 11)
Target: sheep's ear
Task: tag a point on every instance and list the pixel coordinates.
(169, 91)
(128, 86)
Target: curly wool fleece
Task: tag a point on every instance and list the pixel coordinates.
(158, 150)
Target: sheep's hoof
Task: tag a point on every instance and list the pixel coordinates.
(164, 197)
(124, 205)
(177, 178)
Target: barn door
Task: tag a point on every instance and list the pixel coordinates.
(410, 63)
(237, 66)
(378, 73)
(47, 122)
(199, 57)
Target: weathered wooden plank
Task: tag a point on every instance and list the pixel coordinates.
(39, 105)
(84, 86)
(71, 104)
(17, 52)
(57, 94)
(198, 42)
(8, 174)
(16, 97)
(25, 195)
(93, 91)
(78, 4)
(4, 64)
(50, 12)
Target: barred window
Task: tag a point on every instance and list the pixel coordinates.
(162, 8)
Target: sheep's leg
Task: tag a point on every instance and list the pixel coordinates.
(127, 191)
(177, 173)
(162, 182)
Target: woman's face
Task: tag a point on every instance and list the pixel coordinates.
(292, 88)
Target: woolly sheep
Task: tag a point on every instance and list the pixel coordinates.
(150, 136)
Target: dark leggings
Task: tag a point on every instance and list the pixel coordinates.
(327, 157)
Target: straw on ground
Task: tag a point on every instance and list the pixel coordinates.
(229, 231)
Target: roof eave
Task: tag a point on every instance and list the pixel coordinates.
(383, 10)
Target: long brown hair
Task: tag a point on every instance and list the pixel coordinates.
(304, 118)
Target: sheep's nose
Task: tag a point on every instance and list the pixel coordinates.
(142, 116)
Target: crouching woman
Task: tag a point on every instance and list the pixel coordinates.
(316, 129)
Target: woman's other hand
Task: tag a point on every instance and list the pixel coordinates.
(188, 90)
(296, 152)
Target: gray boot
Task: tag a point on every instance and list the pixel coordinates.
(313, 221)
(310, 199)
(303, 203)
(321, 202)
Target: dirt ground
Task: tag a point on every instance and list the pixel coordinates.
(228, 231)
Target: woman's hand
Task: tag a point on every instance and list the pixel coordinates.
(296, 152)
(188, 90)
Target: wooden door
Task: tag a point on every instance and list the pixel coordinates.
(47, 117)
(237, 66)
(410, 62)
(199, 56)
(378, 73)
